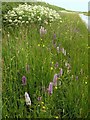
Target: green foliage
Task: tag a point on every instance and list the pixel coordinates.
(6, 6)
(87, 13)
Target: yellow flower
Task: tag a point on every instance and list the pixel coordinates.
(51, 68)
(41, 39)
(43, 45)
(42, 102)
(56, 87)
(38, 44)
(52, 62)
(86, 83)
(56, 117)
(43, 107)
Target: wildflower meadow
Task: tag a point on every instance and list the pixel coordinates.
(44, 62)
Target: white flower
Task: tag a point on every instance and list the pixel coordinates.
(27, 22)
(6, 17)
(29, 18)
(23, 21)
(32, 12)
(10, 20)
(58, 49)
(19, 21)
(60, 21)
(65, 52)
(39, 19)
(46, 22)
(27, 99)
(15, 20)
(20, 18)
(66, 64)
(20, 12)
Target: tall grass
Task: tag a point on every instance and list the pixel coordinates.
(22, 45)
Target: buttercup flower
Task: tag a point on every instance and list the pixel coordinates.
(43, 45)
(56, 117)
(38, 45)
(51, 68)
(56, 87)
(42, 102)
(44, 107)
(86, 83)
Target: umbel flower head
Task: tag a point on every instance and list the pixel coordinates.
(27, 99)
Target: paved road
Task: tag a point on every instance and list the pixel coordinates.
(86, 20)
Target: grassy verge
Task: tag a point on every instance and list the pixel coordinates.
(21, 46)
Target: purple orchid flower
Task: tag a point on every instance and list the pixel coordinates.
(61, 71)
(55, 80)
(24, 80)
(50, 88)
